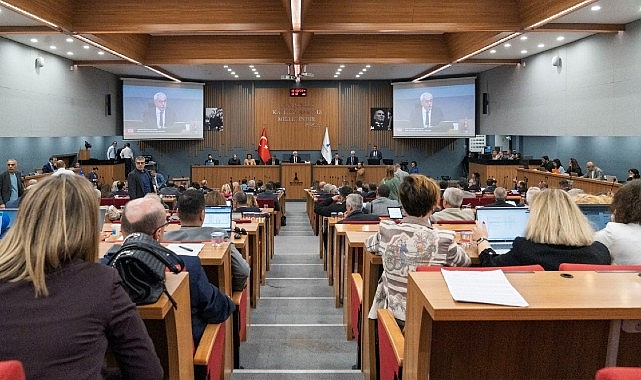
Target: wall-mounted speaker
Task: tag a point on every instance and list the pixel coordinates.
(108, 104)
(557, 61)
(486, 103)
(40, 62)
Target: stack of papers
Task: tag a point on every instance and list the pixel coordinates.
(491, 287)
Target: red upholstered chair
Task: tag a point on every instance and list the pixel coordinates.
(12, 370)
(356, 310)
(210, 353)
(618, 373)
(265, 202)
(391, 346)
(240, 321)
(516, 268)
(597, 267)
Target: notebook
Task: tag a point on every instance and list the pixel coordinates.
(503, 225)
(218, 217)
(598, 215)
(7, 219)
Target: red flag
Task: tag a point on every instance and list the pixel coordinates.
(263, 148)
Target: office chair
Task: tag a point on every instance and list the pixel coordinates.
(12, 370)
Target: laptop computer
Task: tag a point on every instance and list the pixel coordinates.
(503, 225)
(7, 219)
(218, 217)
(598, 215)
(395, 213)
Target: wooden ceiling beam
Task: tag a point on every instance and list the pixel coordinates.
(58, 12)
(582, 27)
(542, 12)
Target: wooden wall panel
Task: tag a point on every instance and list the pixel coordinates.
(216, 176)
(296, 123)
(295, 178)
(336, 175)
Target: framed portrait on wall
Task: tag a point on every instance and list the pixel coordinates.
(381, 119)
(214, 119)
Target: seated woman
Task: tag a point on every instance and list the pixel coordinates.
(249, 160)
(633, 174)
(411, 243)
(557, 232)
(225, 191)
(62, 308)
(622, 235)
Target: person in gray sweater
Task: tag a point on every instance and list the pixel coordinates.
(379, 205)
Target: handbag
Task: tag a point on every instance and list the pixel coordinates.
(141, 263)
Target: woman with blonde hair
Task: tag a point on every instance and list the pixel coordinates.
(214, 198)
(557, 232)
(225, 190)
(251, 200)
(62, 309)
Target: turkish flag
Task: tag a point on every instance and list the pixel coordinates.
(263, 148)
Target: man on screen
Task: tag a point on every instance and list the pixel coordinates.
(427, 116)
(380, 121)
(159, 116)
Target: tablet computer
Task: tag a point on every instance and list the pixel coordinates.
(395, 213)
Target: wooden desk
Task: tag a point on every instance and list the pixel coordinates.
(562, 334)
(254, 251)
(170, 329)
(354, 247)
(327, 246)
(343, 265)
(217, 264)
(590, 186)
(294, 177)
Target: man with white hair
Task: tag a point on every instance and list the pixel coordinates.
(452, 211)
(352, 159)
(500, 196)
(354, 209)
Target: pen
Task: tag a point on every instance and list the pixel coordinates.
(186, 248)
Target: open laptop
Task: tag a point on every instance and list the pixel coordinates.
(218, 217)
(7, 219)
(503, 225)
(395, 213)
(598, 215)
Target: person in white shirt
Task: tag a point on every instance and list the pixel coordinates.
(622, 235)
(111, 151)
(128, 155)
(60, 169)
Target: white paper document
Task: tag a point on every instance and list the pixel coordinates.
(490, 287)
(186, 249)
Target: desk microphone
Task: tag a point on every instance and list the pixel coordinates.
(612, 185)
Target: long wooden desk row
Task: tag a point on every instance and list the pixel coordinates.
(590, 186)
(294, 177)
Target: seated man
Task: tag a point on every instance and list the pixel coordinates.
(335, 203)
(452, 199)
(354, 209)
(208, 303)
(120, 190)
(501, 195)
(170, 189)
(379, 205)
(191, 210)
(491, 186)
(239, 201)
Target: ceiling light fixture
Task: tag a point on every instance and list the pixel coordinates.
(559, 14)
(595, 8)
(432, 72)
(34, 40)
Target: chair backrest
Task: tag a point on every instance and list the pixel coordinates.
(265, 202)
(598, 267)
(618, 373)
(391, 346)
(12, 370)
(516, 268)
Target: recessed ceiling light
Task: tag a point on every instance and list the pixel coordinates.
(368, 66)
(335, 75)
(233, 73)
(507, 45)
(540, 45)
(523, 51)
(69, 53)
(52, 47)
(101, 53)
(253, 69)
(493, 51)
(34, 40)
(595, 8)
(365, 69)
(251, 66)
(341, 66)
(225, 66)
(69, 39)
(228, 69)
(358, 76)
(360, 73)
(560, 38)
(339, 69)
(258, 76)
(235, 76)
(86, 46)
(338, 73)
(523, 38)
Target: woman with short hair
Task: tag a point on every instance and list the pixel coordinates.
(622, 235)
(557, 232)
(61, 308)
(411, 243)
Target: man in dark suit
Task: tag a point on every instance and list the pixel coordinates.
(354, 209)
(294, 159)
(352, 159)
(139, 180)
(50, 166)
(11, 187)
(269, 194)
(337, 160)
(375, 153)
(273, 160)
(427, 116)
(159, 116)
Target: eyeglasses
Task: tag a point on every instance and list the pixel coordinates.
(162, 226)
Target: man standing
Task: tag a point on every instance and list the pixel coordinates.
(191, 210)
(375, 153)
(111, 151)
(92, 176)
(139, 180)
(11, 187)
(50, 166)
(127, 154)
(593, 171)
